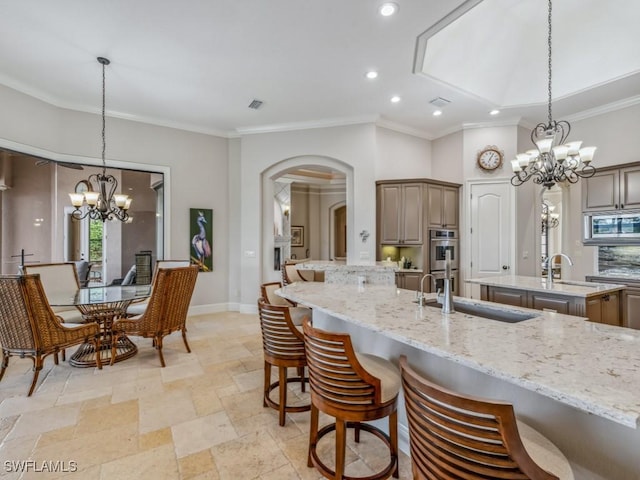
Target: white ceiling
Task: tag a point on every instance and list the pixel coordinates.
(197, 64)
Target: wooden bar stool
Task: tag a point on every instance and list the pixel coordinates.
(267, 290)
(354, 388)
(283, 346)
(454, 436)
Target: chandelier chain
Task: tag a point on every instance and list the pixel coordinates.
(549, 60)
(104, 141)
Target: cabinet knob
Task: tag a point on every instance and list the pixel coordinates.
(505, 267)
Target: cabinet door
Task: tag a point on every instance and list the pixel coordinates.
(389, 213)
(399, 280)
(550, 303)
(411, 206)
(412, 281)
(594, 309)
(631, 308)
(611, 309)
(435, 199)
(630, 187)
(507, 296)
(601, 192)
(450, 207)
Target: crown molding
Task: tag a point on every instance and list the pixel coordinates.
(398, 127)
(602, 109)
(286, 127)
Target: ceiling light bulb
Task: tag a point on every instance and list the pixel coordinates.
(372, 74)
(388, 9)
(395, 99)
(437, 113)
(494, 112)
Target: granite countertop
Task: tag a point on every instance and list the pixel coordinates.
(325, 265)
(539, 284)
(590, 366)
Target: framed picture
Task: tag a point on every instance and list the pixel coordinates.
(201, 236)
(297, 236)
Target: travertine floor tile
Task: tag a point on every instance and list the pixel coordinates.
(200, 418)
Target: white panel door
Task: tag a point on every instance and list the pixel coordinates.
(492, 233)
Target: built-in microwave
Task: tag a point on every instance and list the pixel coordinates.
(612, 228)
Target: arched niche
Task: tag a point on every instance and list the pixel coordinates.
(277, 170)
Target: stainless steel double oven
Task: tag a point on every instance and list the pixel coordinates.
(440, 241)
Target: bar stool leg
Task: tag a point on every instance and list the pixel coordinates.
(282, 378)
(393, 440)
(313, 433)
(267, 382)
(301, 375)
(341, 443)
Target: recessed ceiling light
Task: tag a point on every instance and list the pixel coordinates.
(437, 113)
(388, 9)
(372, 74)
(395, 99)
(494, 112)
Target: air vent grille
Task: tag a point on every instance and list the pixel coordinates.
(255, 104)
(439, 102)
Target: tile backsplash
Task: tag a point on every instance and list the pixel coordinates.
(619, 260)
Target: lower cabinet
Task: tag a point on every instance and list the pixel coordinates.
(604, 308)
(409, 281)
(629, 299)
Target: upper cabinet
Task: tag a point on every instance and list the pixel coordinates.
(612, 189)
(400, 214)
(442, 203)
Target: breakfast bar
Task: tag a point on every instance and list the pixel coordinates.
(577, 382)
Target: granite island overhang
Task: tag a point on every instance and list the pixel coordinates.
(567, 365)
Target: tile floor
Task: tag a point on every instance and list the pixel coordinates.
(201, 417)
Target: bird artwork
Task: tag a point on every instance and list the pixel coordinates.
(200, 244)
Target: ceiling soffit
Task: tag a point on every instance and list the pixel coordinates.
(497, 50)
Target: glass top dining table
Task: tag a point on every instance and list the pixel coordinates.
(102, 305)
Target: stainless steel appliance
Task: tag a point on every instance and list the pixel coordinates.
(611, 228)
(438, 280)
(442, 240)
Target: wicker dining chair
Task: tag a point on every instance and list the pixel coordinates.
(59, 278)
(29, 328)
(139, 307)
(455, 436)
(166, 312)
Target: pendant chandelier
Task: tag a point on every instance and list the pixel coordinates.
(553, 161)
(100, 200)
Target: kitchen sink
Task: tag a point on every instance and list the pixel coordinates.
(486, 311)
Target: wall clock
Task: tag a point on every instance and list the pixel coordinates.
(490, 158)
(82, 186)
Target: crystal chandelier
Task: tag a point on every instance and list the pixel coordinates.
(553, 160)
(102, 203)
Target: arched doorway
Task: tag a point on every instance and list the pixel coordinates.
(288, 167)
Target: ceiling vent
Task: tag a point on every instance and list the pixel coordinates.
(255, 104)
(439, 102)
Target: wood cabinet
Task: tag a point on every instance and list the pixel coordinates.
(612, 189)
(629, 299)
(443, 206)
(400, 214)
(408, 280)
(604, 308)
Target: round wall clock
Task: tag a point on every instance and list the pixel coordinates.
(490, 158)
(82, 186)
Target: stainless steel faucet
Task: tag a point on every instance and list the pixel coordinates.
(446, 298)
(420, 296)
(550, 265)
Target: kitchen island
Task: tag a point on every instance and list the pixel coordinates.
(338, 272)
(599, 302)
(577, 382)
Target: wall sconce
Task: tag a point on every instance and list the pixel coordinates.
(285, 211)
(364, 235)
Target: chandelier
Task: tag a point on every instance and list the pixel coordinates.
(101, 201)
(553, 160)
